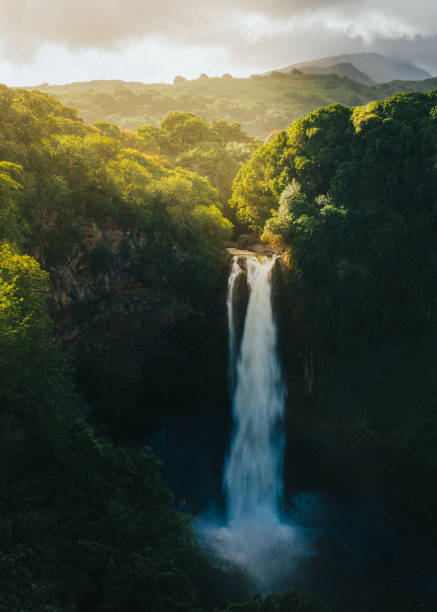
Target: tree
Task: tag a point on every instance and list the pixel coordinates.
(154, 140)
(258, 183)
(83, 523)
(185, 130)
(12, 225)
(214, 162)
(349, 195)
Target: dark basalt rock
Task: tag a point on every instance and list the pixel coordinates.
(142, 351)
(97, 305)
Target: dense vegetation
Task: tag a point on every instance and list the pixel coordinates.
(348, 195)
(61, 176)
(214, 149)
(260, 103)
(85, 524)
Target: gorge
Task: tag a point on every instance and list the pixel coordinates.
(311, 537)
(288, 400)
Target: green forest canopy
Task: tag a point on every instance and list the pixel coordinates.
(60, 176)
(350, 195)
(347, 194)
(86, 525)
(83, 523)
(260, 103)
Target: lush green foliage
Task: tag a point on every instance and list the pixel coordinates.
(350, 194)
(61, 179)
(260, 103)
(83, 525)
(86, 525)
(213, 149)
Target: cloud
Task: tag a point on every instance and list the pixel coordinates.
(254, 34)
(420, 50)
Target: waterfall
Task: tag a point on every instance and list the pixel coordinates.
(253, 475)
(235, 273)
(254, 535)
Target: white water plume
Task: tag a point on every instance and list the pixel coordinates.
(235, 273)
(255, 536)
(253, 477)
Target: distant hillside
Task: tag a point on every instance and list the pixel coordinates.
(259, 103)
(344, 69)
(379, 68)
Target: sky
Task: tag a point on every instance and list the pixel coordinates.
(61, 41)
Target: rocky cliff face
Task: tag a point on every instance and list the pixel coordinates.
(144, 355)
(102, 297)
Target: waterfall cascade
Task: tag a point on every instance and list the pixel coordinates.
(253, 475)
(235, 273)
(254, 536)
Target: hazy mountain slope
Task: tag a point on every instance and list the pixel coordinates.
(378, 67)
(344, 69)
(259, 103)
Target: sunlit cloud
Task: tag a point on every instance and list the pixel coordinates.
(61, 41)
(146, 60)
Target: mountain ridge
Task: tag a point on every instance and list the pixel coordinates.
(343, 69)
(260, 103)
(378, 68)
